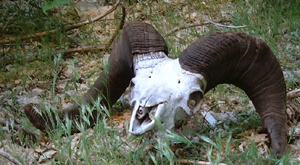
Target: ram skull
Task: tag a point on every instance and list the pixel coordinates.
(162, 90)
(170, 89)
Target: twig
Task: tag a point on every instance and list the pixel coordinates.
(119, 28)
(215, 23)
(186, 161)
(293, 94)
(9, 157)
(66, 28)
(80, 49)
(193, 25)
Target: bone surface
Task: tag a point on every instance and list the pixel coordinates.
(161, 90)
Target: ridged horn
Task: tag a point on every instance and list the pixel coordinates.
(248, 63)
(136, 38)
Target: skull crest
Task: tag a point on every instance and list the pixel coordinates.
(162, 90)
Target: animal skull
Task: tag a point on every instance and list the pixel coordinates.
(162, 90)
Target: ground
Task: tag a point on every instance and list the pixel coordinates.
(33, 71)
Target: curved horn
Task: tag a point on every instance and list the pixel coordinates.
(136, 38)
(248, 63)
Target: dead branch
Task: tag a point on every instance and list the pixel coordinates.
(66, 28)
(80, 49)
(9, 157)
(119, 28)
(67, 53)
(215, 23)
(186, 161)
(293, 94)
(192, 25)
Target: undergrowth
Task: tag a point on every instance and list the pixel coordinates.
(275, 21)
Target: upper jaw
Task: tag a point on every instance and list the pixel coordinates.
(143, 118)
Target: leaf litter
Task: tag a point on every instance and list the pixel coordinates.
(223, 106)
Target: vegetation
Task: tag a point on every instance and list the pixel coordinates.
(42, 63)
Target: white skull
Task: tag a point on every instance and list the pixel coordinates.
(161, 89)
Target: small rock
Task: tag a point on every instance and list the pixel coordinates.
(209, 118)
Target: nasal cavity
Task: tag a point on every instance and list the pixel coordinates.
(194, 99)
(142, 112)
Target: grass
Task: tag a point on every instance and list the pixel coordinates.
(275, 21)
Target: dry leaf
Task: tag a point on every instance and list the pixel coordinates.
(46, 155)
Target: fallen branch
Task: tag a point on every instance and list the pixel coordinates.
(6, 60)
(186, 161)
(193, 25)
(101, 47)
(9, 157)
(80, 49)
(293, 94)
(119, 28)
(215, 23)
(66, 28)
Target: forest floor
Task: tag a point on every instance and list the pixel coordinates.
(46, 59)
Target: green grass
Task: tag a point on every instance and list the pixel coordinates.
(276, 22)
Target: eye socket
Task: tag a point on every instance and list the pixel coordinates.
(194, 99)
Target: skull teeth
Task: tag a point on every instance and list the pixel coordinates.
(141, 112)
(142, 119)
(146, 113)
